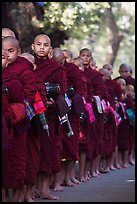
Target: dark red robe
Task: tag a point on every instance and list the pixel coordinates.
(17, 141)
(71, 144)
(126, 131)
(130, 80)
(5, 141)
(5, 154)
(96, 87)
(110, 129)
(85, 141)
(51, 146)
(114, 90)
(24, 70)
(31, 83)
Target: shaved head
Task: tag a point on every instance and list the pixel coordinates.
(28, 56)
(6, 32)
(11, 40)
(107, 66)
(41, 46)
(44, 37)
(103, 71)
(68, 53)
(57, 52)
(11, 46)
(58, 55)
(85, 50)
(124, 65)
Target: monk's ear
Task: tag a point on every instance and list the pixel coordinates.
(19, 51)
(32, 47)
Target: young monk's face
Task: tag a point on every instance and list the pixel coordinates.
(93, 63)
(79, 63)
(109, 68)
(130, 91)
(41, 46)
(68, 57)
(4, 59)
(124, 72)
(12, 51)
(122, 83)
(86, 57)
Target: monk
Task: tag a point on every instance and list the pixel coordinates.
(116, 87)
(68, 55)
(29, 57)
(51, 145)
(115, 91)
(5, 137)
(84, 138)
(11, 46)
(22, 68)
(109, 161)
(70, 145)
(124, 71)
(34, 141)
(93, 64)
(6, 32)
(130, 106)
(5, 159)
(17, 157)
(126, 129)
(96, 87)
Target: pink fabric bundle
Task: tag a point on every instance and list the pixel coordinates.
(118, 119)
(88, 107)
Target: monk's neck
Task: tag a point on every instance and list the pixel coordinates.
(86, 66)
(41, 57)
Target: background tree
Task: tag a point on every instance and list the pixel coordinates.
(105, 27)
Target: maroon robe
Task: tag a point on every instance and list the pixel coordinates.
(126, 132)
(110, 129)
(85, 142)
(130, 80)
(74, 77)
(24, 70)
(71, 144)
(96, 87)
(47, 71)
(31, 83)
(5, 154)
(84, 84)
(51, 146)
(17, 157)
(114, 90)
(5, 141)
(130, 103)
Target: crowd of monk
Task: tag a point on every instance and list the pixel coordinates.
(90, 123)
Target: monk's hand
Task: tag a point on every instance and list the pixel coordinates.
(50, 102)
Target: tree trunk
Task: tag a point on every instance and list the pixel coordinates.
(115, 37)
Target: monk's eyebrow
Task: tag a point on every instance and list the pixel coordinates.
(10, 49)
